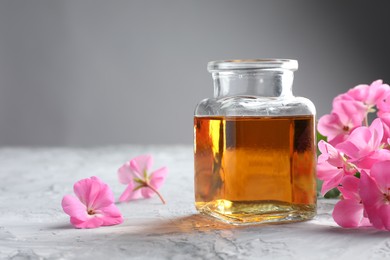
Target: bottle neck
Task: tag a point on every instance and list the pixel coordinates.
(263, 83)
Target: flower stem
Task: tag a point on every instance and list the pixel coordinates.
(158, 193)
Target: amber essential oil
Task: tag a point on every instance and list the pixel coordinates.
(255, 169)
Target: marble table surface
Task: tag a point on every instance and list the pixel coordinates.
(33, 225)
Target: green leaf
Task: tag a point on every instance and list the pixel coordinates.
(319, 186)
(332, 194)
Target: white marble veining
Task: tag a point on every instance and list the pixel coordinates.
(33, 225)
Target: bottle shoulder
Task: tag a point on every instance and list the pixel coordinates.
(255, 106)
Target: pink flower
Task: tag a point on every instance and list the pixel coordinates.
(351, 112)
(375, 194)
(370, 95)
(364, 145)
(332, 167)
(347, 114)
(331, 127)
(134, 173)
(94, 205)
(349, 211)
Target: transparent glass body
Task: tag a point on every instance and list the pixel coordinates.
(254, 145)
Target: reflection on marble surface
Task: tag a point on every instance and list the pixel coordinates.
(33, 226)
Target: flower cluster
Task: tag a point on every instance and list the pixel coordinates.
(94, 204)
(356, 158)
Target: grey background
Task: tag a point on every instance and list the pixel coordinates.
(86, 73)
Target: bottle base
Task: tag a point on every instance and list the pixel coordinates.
(256, 212)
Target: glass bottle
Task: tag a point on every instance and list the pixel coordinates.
(254, 145)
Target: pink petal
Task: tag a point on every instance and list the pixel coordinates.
(376, 129)
(350, 188)
(331, 176)
(157, 177)
(359, 92)
(124, 174)
(384, 214)
(368, 161)
(129, 193)
(82, 190)
(110, 215)
(351, 112)
(141, 164)
(369, 94)
(104, 198)
(372, 197)
(384, 103)
(338, 139)
(363, 145)
(325, 171)
(349, 148)
(343, 97)
(93, 193)
(333, 156)
(348, 213)
(74, 208)
(330, 126)
(92, 222)
(147, 192)
(377, 92)
(385, 117)
(374, 216)
(326, 150)
(380, 171)
(87, 190)
(362, 142)
(330, 184)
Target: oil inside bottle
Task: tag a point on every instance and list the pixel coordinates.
(255, 169)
